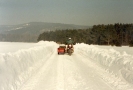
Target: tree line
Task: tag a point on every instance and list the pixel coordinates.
(112, 34)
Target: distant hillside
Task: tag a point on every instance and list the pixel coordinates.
(29, 32)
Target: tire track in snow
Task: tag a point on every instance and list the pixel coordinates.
(72, 76)
(60, 73)
(90, 73)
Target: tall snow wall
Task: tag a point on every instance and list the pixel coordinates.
(16, 67)
(118, 63)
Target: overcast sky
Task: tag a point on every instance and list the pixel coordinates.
(79, 12)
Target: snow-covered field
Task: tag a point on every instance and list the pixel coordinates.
(37, 66)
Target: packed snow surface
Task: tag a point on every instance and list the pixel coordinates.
(37, 66)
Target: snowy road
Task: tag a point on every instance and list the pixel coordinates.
(89, 68)
(63, 72)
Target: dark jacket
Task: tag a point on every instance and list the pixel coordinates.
(69, 42)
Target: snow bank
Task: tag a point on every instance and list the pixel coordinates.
(16, 67)
(118, 63)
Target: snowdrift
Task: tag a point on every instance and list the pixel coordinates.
(114, 62)
(16, 67)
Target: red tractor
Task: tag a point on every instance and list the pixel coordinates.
(61, 50)
(65, 49)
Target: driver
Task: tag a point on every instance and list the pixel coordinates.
(69, 43)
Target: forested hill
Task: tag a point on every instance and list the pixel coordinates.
(111, 34)
(29, 32)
